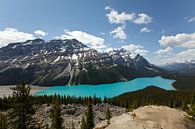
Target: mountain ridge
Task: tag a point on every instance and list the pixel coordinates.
(69, 62)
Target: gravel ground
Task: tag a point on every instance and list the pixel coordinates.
(74, 113)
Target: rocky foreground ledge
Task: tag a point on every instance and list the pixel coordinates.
(150, 117)
(74, 113)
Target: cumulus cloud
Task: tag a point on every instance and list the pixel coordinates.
(145, 29)
(138, 49)
(192, 19)
(118, 18)
(40, 33)
(119, 33)
(109, 49)
(142, 18)
(114, 17)
(88, 39)
(179, 40)
(11, 35)
(181, 56)
(186, 55)
(164, 52)
(186, 43)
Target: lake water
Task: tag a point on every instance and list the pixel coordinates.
(108, 90)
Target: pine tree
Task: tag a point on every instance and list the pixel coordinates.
(184, 105)
(57, 120)
(3, 121)
(83, 123)
(21, 115)
(108, 115)
(89, 116)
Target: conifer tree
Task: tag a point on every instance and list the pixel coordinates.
(89, 115)
(56, 122)
(3, 121)
(108, 115)
(20, 117)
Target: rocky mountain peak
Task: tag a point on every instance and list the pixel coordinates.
(68, 61)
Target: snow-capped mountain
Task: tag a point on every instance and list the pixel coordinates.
(67, 62)
(183, 67)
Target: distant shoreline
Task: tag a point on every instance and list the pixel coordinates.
(5, 90)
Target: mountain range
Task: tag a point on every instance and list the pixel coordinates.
(69, 62)
(182, 67)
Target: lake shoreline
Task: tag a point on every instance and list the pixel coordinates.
(109, 90)
(6, 91)
(36, 90)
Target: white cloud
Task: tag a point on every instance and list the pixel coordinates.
(186, 43)
(138, 49)
(109, 49)
(179, 40)
(186, 55)
(88, 39)
(177, 57)
(142, 18)
(164, 52)
(40, 33)
(145, 29)
(114, 17)
(119, 33)
(118, 18)
(192, 19)
(11, 35)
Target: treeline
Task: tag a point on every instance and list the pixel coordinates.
(185, 82)
(8, 102)
(148, 96)
(155, 96)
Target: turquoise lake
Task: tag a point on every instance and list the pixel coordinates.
(108, 90)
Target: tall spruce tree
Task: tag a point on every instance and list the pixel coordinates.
(89, 116)
(3, 121)
(108, 115)
(20, 117)
(56, 119)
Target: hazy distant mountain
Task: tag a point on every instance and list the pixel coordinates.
(62, 62)
(185, 67)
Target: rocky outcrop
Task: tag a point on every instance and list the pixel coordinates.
(150, 117)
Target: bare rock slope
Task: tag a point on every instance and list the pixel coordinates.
(150, 117)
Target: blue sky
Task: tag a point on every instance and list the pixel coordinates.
(157, 29)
